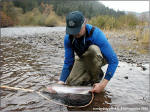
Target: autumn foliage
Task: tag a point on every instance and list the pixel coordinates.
(5, 20)
(40, 13)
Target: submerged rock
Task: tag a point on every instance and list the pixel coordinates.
(126, 77)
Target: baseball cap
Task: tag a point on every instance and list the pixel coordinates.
(74, 21)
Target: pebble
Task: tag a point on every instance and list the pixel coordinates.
(126, 77)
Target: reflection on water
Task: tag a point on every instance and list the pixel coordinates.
(26, 66)
(36, 63)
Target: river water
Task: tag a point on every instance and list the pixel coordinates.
(32, 58)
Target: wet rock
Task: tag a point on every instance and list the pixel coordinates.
(126, 77)
(144, 68)
(19, 37)
(132, 52)
(30, 41)
(139, 64)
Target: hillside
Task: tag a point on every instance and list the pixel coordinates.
(62, 7)
(144, 16)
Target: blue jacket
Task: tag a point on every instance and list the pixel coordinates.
(98, 38)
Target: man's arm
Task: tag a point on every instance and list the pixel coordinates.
(106, 49)
(69, 60)
(98, 87)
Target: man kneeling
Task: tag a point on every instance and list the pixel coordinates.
(93, 51)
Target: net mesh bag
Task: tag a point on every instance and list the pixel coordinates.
(72, 97)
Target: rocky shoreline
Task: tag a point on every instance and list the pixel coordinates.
(124, 43)
(128, 48)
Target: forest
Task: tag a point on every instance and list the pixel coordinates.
(53, 12)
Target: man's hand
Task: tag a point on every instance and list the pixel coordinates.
(98, 87)
(60, 82)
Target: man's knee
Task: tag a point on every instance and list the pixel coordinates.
(94, 55)
(94, 50)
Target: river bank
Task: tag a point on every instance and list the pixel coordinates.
(124, 43)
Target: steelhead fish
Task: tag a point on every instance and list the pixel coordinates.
(64, 89)
(69, 95)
